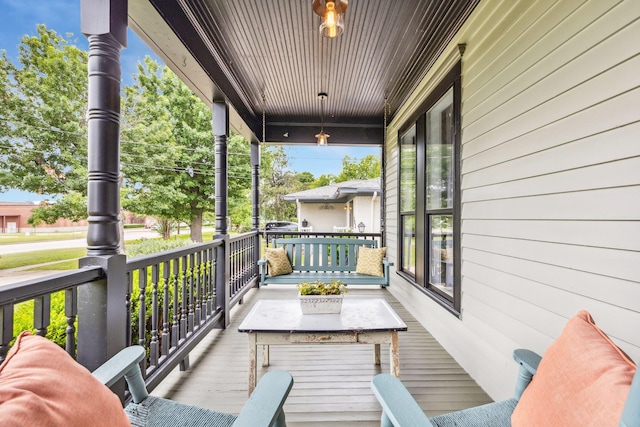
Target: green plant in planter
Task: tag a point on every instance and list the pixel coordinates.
(335, 287)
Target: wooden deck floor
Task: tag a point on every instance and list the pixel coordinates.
(331, 381)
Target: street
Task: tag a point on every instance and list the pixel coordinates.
(20, 274)
(129, 234)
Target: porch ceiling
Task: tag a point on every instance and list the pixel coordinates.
(239, 50)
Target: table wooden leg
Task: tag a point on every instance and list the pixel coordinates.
(265, 355)
(394, 355)
(253, 366)
(376, 354)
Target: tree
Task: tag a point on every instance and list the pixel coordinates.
(73, 206)
(167, 149)
(166, 146)
(275, 183)
(323, 180)
(368, 167)
(168, 153)
(305, 179)
(239, 183)
(43, 127)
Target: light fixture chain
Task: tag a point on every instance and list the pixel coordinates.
(386, 106)
(264, 118)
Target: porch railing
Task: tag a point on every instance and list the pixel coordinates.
(269, 235)
(37, 293)
(174, 299)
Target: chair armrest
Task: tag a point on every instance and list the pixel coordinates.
(263, 265)
(125, 364)
(528, 361)
(399, 408)
(631, 411)
(264, 407)
(385, 266)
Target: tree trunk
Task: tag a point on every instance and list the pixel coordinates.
(196, 225)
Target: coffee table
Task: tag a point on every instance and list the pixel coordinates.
(361, 321)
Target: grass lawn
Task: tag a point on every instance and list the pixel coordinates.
(41, 257)
(62, 259)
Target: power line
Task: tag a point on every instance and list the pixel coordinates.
(125, 141)
(186, 169)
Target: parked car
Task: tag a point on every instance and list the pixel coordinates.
(281, 226)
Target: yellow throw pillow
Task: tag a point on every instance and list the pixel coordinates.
(278, 261)
(583, 379)
(370, 261)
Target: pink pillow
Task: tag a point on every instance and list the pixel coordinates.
(583, 380)
(40, 384)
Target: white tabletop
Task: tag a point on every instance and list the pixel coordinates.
(358, 314)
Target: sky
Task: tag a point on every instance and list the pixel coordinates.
(20, 17)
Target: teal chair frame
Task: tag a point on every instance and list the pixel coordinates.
(264, 408)
(399, 409)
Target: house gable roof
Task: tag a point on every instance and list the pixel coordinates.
(338, 192)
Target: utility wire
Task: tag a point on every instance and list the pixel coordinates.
(204, 172)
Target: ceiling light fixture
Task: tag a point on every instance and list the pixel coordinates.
(322, 137)
(331, 16)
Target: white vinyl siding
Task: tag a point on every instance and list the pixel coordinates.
(550, 180)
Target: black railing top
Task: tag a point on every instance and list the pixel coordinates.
(321, 234)
(29, 289)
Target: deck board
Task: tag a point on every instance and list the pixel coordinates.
(332, 382)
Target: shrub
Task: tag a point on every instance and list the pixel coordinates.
(335, 287)
(152, 246)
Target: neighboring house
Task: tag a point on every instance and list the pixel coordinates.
(339, 207)
(14, 216)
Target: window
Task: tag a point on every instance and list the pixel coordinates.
(408, 200)
(429, 194)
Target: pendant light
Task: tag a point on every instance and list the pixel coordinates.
(322, 137)
(331, 16)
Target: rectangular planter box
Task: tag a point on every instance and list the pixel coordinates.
(320, 304)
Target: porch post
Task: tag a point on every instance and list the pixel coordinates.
(220, 111)
(102, 304)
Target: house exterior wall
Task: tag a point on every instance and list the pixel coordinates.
(550, 181)
(324, 216)
(19, 213)
(367, 211)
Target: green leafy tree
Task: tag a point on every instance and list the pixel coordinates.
(366, 168)
(73, 206)
(275, 183)
(305, 179)
(167, 149)
(42, 120)
(239, 182)
(323, 180)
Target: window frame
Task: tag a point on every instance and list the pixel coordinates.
(402, 213)
(420, 279)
